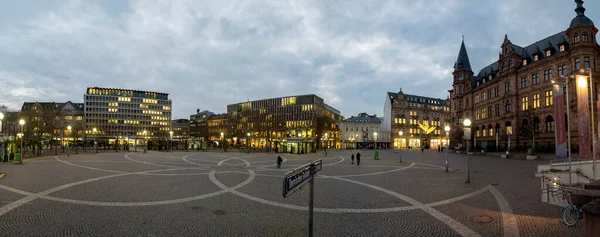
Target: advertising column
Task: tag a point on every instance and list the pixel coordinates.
(583, 115)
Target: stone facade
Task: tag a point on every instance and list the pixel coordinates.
(512, 97)
(359, 132)
(408, 115)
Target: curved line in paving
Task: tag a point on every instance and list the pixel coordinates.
(454, 224)
(376, 173)
(136, 173)
(233, 158)
(6, 208)
(337, 162)
(509, 219)
(184, 158)
(283, 158)
(149, 163)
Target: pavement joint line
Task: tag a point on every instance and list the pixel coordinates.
(454, 224)
(456, 199)
(337, 162)
(509, 219)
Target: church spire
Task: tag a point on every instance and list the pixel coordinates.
(462, 62)
(580, 10)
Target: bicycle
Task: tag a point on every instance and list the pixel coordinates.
(572, 213)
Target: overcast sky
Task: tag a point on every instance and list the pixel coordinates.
(207, 54)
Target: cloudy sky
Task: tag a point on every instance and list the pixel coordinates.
(208, 54)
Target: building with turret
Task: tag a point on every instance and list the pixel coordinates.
(510, 101)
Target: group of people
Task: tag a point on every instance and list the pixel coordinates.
(357, 158)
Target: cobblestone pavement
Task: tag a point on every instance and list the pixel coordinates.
(238, 194)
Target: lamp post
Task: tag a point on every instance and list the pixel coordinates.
(375, 141)
(299, 143)
(584, 80)
(145, 142)
(447, 129)
(400, 135)
(1, 118)
(222, 141)
(69, 144)
(467, 124)
(170, 141)
(22, 123)
(94, 130)
(326, 143)
(247, 142)
(2, 145)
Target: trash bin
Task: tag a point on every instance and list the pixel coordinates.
(376, 155)
(145, 149)
(18, 158)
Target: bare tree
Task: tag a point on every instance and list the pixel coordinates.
(530, 126)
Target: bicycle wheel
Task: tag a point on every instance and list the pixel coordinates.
(571, 215)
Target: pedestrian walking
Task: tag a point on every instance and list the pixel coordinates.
(352, 158)
(422, 149)
(279, 161)
(358, 158)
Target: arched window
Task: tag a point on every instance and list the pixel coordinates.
(507, 106)
(524, 125)
(484, 130)
(508, 126)
(477, 132)
(549, 123)
(576, 38)
(491, 130)
(536, 125)
(585, 37)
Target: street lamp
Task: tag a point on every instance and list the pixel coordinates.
(22, 123)
(94, 130)
(248, 142)
(171, 140)
(375, 141)
(1, 117)
(223, 141)
(69, 144)
(447, 129)
(467, 134)
(400, 134)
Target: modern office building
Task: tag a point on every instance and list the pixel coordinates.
(126, 116)
(360, 131)
(217, 125)
(415, 121)
(49, 122)
(298, 124)
(181, 129)
(504, 99)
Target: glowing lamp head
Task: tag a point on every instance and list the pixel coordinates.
(581, 82)
(94, 130)
(400, 133)
(299, 134)
(222, 134)
(69, 127)
(467, 122)
(22, 122)
(375, 134)
(247, 134)
(447, 128)
(1, 116)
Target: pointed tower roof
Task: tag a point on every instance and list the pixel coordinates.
(462, 62)
(580, 19)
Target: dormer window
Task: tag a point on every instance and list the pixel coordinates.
(483, 80)
(561, 48)
(490, 76)
(535, 57)
(477, 83)
(524, 62)
(576, 38)
(548, 53)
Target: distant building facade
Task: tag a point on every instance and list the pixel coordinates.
(217, 125)
(512, 97)
(121, 114)
(302, 123)
(415, 121)
(181, 129)
(199, 125)
(47, 123)
(359, 131)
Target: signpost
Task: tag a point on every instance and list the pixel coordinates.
(296, 179)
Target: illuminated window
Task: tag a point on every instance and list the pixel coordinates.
(535, 57)
(536, 100)
(68, 117)
(548, 95)
(525, 103)
(561, 48)
(548, 53)
(524, 62)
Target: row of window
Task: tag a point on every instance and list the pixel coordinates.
(487, 112)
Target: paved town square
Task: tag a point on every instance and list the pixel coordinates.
(240, 194)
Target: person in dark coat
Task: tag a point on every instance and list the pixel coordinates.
(352, 158)
(358, 158)
(279, 161)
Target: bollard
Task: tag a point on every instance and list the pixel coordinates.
(400, 158)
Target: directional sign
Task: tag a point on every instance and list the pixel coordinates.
(295, 179)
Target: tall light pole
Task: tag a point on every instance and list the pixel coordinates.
(69, 144)
(247, 142)
(22, 123)
(170, 141)
(2, 145)
(223, 141)
(299, 143)
(145, 142)
(447, 129)
(375, 141)
(400, 135)
(584, 80)
(467, 134)
(1, 118)
(94, 130)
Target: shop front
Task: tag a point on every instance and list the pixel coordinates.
(297, 146)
